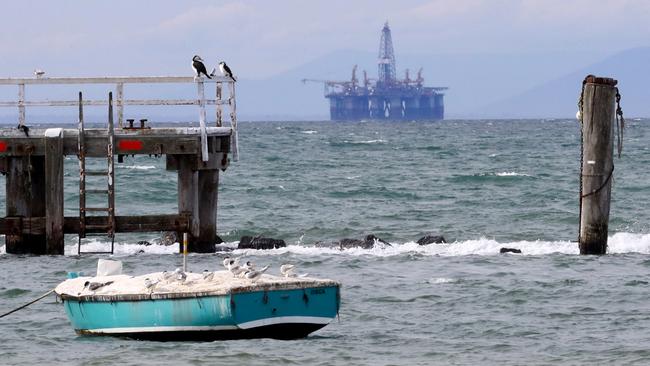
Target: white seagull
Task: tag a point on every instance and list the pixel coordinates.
(234, 267)
(248, 266)
(225, 70)
(207, 275)
(287, 270)
(180, 275)
(149, 283)
(254, 275)
(199, 67)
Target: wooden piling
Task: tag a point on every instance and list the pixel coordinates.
(208, 194)
(597, 117)
(188, 197)
(25, 195)
(54, 239)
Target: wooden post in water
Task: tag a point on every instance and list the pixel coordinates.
(25, 194)
(208, 194)
(188, 197)
(597, 117)
(54, 243)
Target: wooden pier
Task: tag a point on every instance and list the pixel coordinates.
(32, 161)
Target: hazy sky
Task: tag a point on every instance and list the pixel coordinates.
(261, 38)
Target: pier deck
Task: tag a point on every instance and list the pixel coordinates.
(32, 160)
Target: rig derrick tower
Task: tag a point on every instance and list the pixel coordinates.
(384, 98)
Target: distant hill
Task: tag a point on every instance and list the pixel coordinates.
(558, 98)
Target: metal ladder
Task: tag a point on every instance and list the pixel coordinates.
(108, 227)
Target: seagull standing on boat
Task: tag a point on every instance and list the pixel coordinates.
(287, 270)
(225, 70)
(226, 261)
(234, 267)
(254, 275)
(149, 283)
(199, 67)
(180, 275)
(208, 276)
(248, 266)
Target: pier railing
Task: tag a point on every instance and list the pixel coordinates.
(120, 101)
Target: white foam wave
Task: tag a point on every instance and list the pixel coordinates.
(137, 167)
(309, 132)
(122, 249)
(618, 243)
(511, 174)
(441, 280)
(378, 141)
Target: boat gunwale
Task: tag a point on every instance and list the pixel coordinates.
(199, 294)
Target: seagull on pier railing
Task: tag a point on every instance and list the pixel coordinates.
(199, 67)
(24, 128)
(225, 70)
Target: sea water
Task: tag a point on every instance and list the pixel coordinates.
(484, 185)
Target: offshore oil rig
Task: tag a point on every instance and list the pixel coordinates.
(386, 97)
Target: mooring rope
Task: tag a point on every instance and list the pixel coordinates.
(26, 305)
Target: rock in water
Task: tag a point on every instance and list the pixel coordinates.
(168, 238)
(258, 242)
(367, 243)
(431, 239)
(510, 250)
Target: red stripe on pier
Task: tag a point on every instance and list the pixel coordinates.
(130, 145)
(3, 146)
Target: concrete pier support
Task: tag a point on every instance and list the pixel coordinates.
(598, 113)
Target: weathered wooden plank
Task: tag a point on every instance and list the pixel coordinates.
(142, 144)
(54, 243)
(111, 80)
(202, 116)
(597, 165)
(125, 224)
(22, 146)
(21, 104)
(157, 131)
(217, 161)
(101, 102)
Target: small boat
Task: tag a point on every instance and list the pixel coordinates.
(191, 306)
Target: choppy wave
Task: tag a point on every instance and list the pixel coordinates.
(137, 167)
(618, 243)
(511, 174)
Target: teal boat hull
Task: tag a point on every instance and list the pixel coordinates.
(280, 314)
